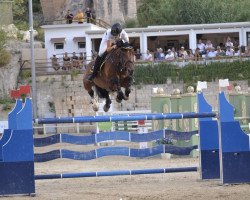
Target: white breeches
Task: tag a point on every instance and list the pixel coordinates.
(103, 47)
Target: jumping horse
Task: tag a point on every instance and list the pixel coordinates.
(115, 73)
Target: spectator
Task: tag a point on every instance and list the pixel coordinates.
(66, 62)
(212, 53)
(69, 17)
(81, 60)
(54, 62)
(170, 56)
(148, 56)
(182, 53)
(197, 54)
(74, 60)
(190, 55)
(228, 42)
(208, 46)
(79, 17)
(201, 46)
(174, 52)
(159, 54)
(229, 51)
(88, 14)
(219, 51)
(138, 54)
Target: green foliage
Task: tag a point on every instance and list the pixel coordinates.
(131, 23)
(162, 12)
(192, 73)
(25, 74)
(7, 103)
(4, 55)
(3, 39)
(40, 36)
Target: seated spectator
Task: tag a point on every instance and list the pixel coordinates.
(190, 55)
(79, 17)
(201, 46)
(208, 46)
(197, 54)
(182, 53)
(54, 62)
(170, 56)
(212, 53)
(69, 17)
(174, 52)
(74, 60)
(220, 52)
(228, 43)
(138, 54)
(81, 61)
(229, 51)
(148, 56)
(88, 14)
(66, 62)
(159, 54)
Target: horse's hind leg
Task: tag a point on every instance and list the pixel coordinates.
(127, 92)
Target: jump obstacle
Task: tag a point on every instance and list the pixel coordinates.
(225, 155)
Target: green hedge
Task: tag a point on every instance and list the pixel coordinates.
(190, 74)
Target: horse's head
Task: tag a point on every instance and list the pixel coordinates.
(126, 63)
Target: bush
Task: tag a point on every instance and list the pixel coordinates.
(190, 74)
(4, 57)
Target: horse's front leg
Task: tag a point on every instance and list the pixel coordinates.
(127, 92)
(120, 95)
(93, 101)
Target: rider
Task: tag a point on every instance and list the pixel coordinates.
(108, 43)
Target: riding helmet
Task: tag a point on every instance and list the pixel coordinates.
(116, 29)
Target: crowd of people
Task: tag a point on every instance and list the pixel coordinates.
(80, 16)
(204, 50)
(68, 63)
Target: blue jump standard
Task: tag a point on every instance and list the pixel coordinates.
(116, 173)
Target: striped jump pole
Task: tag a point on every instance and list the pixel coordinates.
(132, 117)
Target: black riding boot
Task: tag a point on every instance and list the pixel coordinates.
(97, 64)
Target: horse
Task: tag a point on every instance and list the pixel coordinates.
(115, 73)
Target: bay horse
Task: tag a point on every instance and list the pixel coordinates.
(115, 73)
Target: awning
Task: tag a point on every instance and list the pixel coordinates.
(57, 40)
(79, 39)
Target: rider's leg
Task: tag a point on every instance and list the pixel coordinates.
(99, 60)
(95, 68)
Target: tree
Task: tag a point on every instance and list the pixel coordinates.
(167, 12)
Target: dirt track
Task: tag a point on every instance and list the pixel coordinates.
(181, 186)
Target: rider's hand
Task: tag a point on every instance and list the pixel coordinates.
(114, 46)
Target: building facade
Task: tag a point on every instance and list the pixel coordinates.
(86, 37)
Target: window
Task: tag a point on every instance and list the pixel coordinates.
(59, 45)
(248, 38)
(81, 45)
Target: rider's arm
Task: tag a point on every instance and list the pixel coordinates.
(124, 36)
(110, 46)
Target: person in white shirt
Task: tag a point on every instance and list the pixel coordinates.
(108, 43)
(212, 53)
(229, 51)
(201, 46)
(170, 55)
(148, 56)
(208, 46)
(229, 43)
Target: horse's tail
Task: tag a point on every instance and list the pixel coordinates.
(102, 93)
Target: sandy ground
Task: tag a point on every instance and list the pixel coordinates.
(181, 186)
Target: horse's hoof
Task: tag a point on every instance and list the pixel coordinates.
(106, 108)
(118, 100)
(95, 108)
(125, 98)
